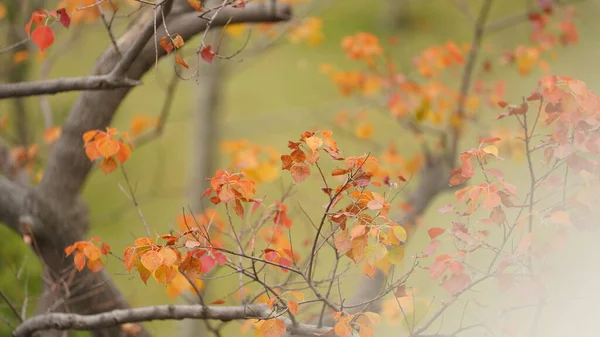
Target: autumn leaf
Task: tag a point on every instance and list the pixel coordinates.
(298, 295)
(43, 37)
(196, 4)
(178, 41)
(166, 44)
(179, 60)
(207, 54)
(63, 17)
(375, 252)
(491, 149)
(342, 327)
(300, 171)
(456, 283)
(435, 232)
(51, 134)
(293, 306)
(314, 143)
(273, 328)
(400, 233)
(151, 260)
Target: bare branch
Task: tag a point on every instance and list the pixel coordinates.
(49, 87)
(62, 321)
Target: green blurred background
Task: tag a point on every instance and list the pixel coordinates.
(270, 98)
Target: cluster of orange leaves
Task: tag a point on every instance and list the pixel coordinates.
(545, 37)
(305, 153)
(230, 187)
(362, 46)
(258, 163)
(88, 250)
(309, 30)
(106, 145)
(435, 59)
(356, 225)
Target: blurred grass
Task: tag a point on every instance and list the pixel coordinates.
(270, 99)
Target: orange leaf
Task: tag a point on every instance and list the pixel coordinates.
(169, 256)
(166, 44)
(273, 328)
(339, 172)
(151, 260)
(141, 242)
(107, 146)
(43, 37)
(144, 273)
(69, 250)
(221, 301)
(298, 295)
(92, 252)
(196, 4)
(79, 260)
(165, 274)
(178, 41)
(129, 258)
(314, 142)
(108, 165)
(293, 307)
(123, 154)
(435, 232)
(179, 60)
(300, 171)
(342, 327)
(95, 265)
(105, 249)
(191, 267)
(51, 134)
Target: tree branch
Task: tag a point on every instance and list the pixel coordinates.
(12, 197)
(23, 89)
(62, 321)
(68, 166)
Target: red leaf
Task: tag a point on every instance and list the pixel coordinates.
(43, 37)
(435, 232)
(179, 60)
(64, 17)
(445, 209)
(300, 171)
(166, 44)
(456, 283)
(207, 54)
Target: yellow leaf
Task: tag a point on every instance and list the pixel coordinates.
(235, 30)
(400, 233)
(396, 255)
(151, 260)
(314, 142)
(491, 149)
(375, 252)
(364, 130)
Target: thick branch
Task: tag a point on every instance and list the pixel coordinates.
(68, 166)
(46, 87)
(61, 321)
(12, 197)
